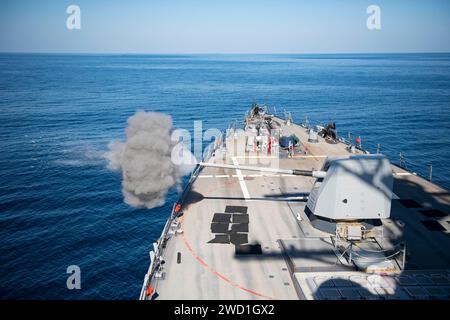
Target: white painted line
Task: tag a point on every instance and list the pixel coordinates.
(285, 198)
(255, 157)
(309, 156)
(271, 157)
(244, 175)
(241, 180)
(402, 173)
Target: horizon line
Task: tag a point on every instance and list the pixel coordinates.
(217, 53)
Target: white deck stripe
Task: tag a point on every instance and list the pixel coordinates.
(309, 156)
(271, 157)
(245, 175)
(241, 180)
(256, 157)
(402, 173)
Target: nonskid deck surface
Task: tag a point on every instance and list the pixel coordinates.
(246, 236)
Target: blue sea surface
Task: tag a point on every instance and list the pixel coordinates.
(61, 206)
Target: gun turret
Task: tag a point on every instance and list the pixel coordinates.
(355, 187)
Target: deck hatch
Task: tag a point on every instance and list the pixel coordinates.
(232, 227)
(349, 293)
(238, 238)
(236, 209)
(433, 225)
(342, 283)
(218, 227)
(409, 203)
(433, 213)
(220, 238)
(329, 294)
(240, 218)
(221, 217)
(239, 227)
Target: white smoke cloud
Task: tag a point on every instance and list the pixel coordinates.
(145, 159)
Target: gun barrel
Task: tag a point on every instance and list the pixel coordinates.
(297, 172)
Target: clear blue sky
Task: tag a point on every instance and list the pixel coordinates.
(227, 26)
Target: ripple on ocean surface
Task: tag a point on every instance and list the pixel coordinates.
(62, 206)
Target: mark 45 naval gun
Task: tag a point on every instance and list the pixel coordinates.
(347, 190)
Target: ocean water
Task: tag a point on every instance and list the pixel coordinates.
(61, 206)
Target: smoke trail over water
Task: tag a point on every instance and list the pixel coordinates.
(145, 159)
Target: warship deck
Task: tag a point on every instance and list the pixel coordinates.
(296, 261)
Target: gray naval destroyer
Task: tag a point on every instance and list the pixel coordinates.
(278, 210)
